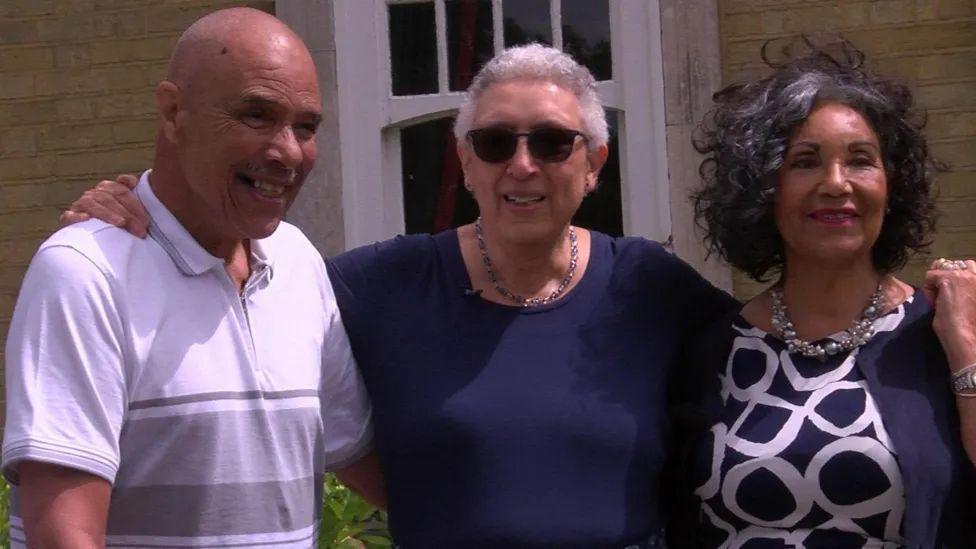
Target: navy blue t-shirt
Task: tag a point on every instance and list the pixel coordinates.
(502, 426)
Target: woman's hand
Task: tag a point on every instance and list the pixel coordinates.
(951, 287)
(112, 202)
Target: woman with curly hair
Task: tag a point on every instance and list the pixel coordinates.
(825, 414)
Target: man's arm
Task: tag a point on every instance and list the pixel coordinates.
(366, 479)
(65, 399)
(62, 507)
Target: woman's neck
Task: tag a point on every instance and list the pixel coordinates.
(530, 269)
(824, 299)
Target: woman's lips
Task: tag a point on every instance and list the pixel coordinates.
(834, 217)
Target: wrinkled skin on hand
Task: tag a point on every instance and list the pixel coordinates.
(112, 202)
(953, 293)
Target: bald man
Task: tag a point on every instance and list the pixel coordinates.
(191, 388)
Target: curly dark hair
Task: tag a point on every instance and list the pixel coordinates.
(745, 137)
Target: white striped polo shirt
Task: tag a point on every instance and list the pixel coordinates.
(213, 414)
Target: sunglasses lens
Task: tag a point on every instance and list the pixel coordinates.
(551, 144)
(494, 144)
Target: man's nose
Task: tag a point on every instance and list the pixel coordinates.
(285, 149)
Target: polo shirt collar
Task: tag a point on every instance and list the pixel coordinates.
(191, 258)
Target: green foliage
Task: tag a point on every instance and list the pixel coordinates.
(347, 521)
(4, 514)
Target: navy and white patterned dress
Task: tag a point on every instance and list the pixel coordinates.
(800, 456)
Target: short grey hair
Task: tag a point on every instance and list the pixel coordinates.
(538, 62)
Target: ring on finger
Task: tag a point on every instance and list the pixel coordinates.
(950, 264)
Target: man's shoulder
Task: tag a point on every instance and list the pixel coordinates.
(290, 245)
(96, 240)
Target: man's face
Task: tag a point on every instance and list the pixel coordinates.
(245, 136)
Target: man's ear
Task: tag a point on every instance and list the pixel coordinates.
(168, 105)
(596, 158)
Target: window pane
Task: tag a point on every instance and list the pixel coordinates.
(433, 188)
(601, 210)
(413, 48)
(470, 39)
(434, 197)
(526, 21)
(586, 34)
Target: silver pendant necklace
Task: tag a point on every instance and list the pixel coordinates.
(858, 334)
(530, 301)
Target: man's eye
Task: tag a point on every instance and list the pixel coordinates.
(256, 119)
(306, 131)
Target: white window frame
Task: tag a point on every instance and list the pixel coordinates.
(370, 117)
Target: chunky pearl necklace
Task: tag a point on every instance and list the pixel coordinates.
(531, 301)
(858, 334)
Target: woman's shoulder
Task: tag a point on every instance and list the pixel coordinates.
(397, 251)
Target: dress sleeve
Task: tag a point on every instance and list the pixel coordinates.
(701, 303)
(346, 410)
(65, 380)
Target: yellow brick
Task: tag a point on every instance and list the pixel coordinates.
(954, 95)
(12, 224)
(144, 49)
(116, 23)
(73, 109)
(30, 112)
(56, 193)
(135, 131)
(740, 24)
(946, 9)
(18, 141)
(17, 252)
(14, 86)
(173, 17)
(95, 79)
(26, 8)
(739, 6)
(63, 29)
(136, 103)
(18, 31)
(951, 124)
(947, 65)
(74, 137)
(72, 55)
(957, 214)
(893, 11)
(18, 59)
(959, 154)
(28, 167)
(11, 276)
(957, 184)
(920, 37)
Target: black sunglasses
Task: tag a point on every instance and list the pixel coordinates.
(496, 145)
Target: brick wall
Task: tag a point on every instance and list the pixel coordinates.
(930, 44)
(76, 81)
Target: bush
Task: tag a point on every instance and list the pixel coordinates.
(347, 521)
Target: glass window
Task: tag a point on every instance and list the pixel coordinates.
(526, 21)
(470, 39)
(413, 48)
(434, 197)
(586, 34)
(601, 210)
